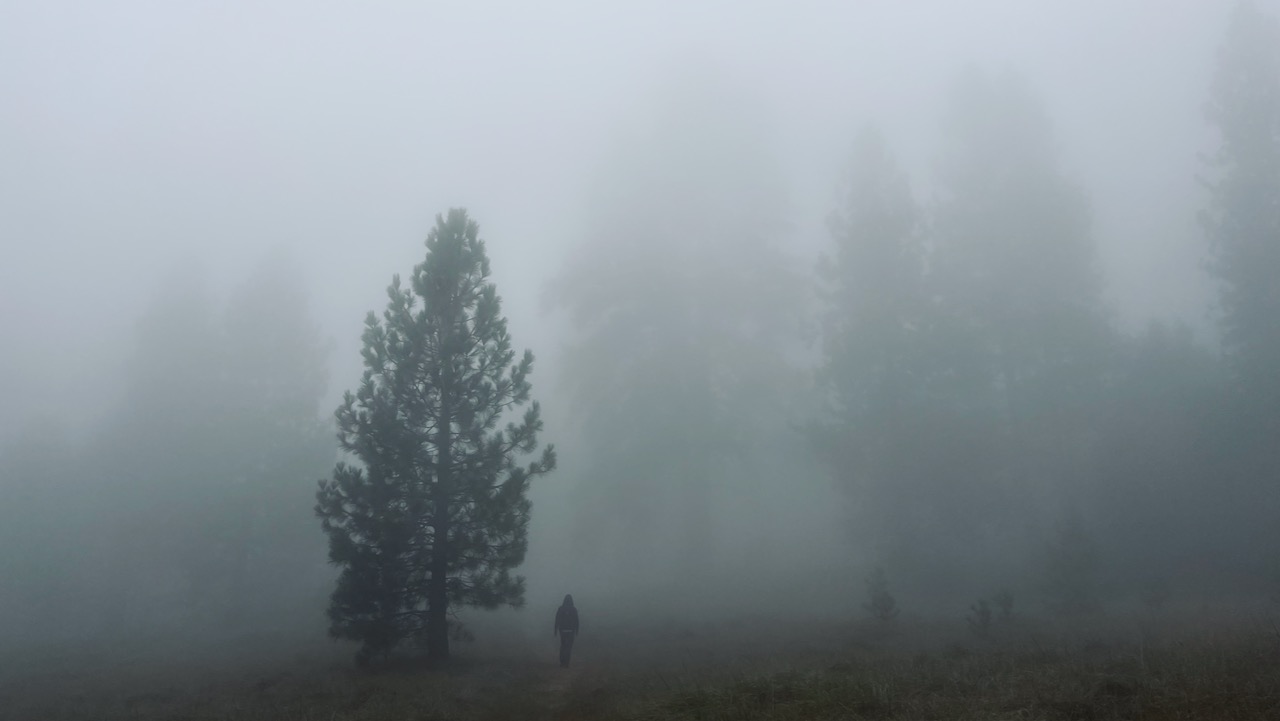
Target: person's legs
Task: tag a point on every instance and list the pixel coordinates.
(566, 647)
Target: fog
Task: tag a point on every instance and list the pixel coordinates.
(200, 203)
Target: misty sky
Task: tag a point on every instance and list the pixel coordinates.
(145, 138)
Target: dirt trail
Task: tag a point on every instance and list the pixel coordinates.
(570, 693)
(562, 679)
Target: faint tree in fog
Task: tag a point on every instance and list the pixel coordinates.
(965, 357)
(1243, 217)
(163, 459)
(876, 340)
(213, 448)
(880, 603)
(435, 514)
(980, 618)
(874, 290)
(273, 378)
(1163, 452)
(1015, 270)
(685, 307)
(42, 502)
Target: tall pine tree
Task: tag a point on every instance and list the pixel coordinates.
(1242, 222)
(1015, 265)
(900, 436)
(214, 446)
(685, 304)
(874, 284)
(435, 513)
(873, 326)
(274, 361)
(1243, 218)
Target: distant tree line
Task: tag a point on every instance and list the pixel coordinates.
(186, 509)
(976, 384)
(976, 387)
(972, 394)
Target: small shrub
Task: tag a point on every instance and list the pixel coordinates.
(1004, 603)
(880, 603)
(980, 618)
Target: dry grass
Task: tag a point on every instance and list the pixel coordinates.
(1179, 682)
(726, 671)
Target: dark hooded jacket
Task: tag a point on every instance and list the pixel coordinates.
(567, 616)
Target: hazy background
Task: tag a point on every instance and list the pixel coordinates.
(147, 144)
(143, 135)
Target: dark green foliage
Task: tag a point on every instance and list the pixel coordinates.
(435, 513)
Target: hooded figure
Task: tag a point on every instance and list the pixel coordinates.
(566, 628)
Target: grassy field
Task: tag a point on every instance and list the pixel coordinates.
(745, 669)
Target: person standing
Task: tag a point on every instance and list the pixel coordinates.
(566, 628)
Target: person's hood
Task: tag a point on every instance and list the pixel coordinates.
(568, 600)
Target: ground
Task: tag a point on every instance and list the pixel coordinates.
(1130, 667)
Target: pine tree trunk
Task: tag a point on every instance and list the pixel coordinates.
(437, 591)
